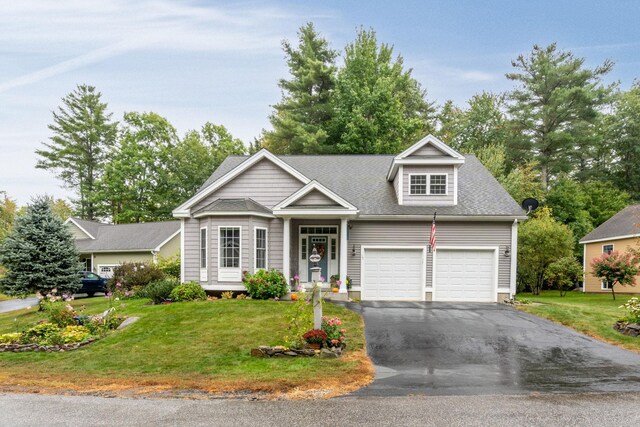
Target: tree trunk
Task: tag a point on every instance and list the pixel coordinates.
(613, 293)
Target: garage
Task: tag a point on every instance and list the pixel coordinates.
(465, 275)
(393, 274)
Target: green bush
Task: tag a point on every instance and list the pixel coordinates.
(10, 338)
(160, 290)
(265, 284)
(633, 310)
(170, 266)
(44, 334)
(75, 334)
(191, 291)
(134, 275)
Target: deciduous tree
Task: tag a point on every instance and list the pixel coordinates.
(616, 268)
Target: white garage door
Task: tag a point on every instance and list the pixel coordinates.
(465, 275)
(393, 274)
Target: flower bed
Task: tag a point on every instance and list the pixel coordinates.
(19, 348)
(281, 351)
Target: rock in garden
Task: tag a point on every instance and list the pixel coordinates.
(128, 321)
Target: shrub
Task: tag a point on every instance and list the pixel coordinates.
(44, 333)
(132, 275)
(336, 334)
(315, 336)
(160, 290)
(633, 308)
(616, 268)
(190, 291)
(170, 266)
(564, 273)
(75, 334)
(227, 295)
(241, 296)
(11, 338)
(265, 284)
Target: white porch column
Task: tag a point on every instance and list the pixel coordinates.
(343, 255)
(286, 243)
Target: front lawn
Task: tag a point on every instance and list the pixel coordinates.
(590, 314)
(4, 297)
(200, 346)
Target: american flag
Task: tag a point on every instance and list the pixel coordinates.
(432, 240)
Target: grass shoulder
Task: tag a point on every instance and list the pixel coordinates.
(590, 314)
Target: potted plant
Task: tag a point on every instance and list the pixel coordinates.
(314, 338)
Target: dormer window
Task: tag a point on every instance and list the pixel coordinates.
(428, 184)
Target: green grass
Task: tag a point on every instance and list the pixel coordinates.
(200, 345)
(4, 297)
(590, 314)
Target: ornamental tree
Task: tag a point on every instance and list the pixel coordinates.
(616, 268)
(39, 253)
(564, 273)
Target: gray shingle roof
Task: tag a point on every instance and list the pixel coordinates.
(234, 205)
(90, 227)
(361, 180)
(624, 223)
(126, 237)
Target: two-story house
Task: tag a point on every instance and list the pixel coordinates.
(368, 216)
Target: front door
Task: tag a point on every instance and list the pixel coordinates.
(320, 243)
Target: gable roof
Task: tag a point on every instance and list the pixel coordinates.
(233, 206)
(126, 237)
(411, 156)
(314, 186)
(90, 228)
(361, 181)
(624, 224)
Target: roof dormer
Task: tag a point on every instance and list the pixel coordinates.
(425, 174)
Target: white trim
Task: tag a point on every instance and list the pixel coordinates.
(430, 139)
(428, 175)
(628, 236)
(219, 287)
(311, 186)
(428, 217)
(602, 287)
(230, 274)
(117, 251)
(93, 267)
(255, 248)
(157, 248)
(455, 185)
(342, 264)
(363, 249)
(514, 259)
(315, 213)
(233, 213)
(303, 264)
(182, 255)
(183, 209)
(429, 162)
(286, 248)
(584, 268)
(204, 276)
(401, 185)
(608, 244)
(496, 255)
(70, 219)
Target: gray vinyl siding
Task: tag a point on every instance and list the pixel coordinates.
(408, 199)
(315, 198)
(396, 185)
(76, 232)
(191, 249)
(427, 150)
(275, 244)
(400, 233)
(265, 183)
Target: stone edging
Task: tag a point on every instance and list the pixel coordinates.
(19, 348)
(625, 328)
(280, 351)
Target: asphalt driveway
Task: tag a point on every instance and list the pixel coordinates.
(465, 349)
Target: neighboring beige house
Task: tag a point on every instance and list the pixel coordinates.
(620, 233)
(102, 247)
(368, 216)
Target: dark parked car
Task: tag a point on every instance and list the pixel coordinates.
(92, 283)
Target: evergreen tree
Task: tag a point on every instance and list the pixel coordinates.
(554, 108)
(300, 120)
(625, 137)
(379, 107)
(8, 213)
(39, 253)
(82, 136)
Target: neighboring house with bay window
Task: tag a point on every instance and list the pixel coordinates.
(619, 233)
(368, 216)
(103, 247)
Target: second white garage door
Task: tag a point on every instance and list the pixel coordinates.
(393, 274)
(465, 275)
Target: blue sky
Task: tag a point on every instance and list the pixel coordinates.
(198, 61)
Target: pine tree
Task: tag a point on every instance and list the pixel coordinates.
(300, 120)
(39, 253)
(82, 135)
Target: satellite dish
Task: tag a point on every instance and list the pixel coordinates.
(530, 204)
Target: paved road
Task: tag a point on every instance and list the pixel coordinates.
(547, 410)
(472, 349)
(17, 304)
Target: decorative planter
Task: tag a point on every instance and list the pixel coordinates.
(314, 346)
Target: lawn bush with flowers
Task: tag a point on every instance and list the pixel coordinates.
(265, 284)
(134, 276)
(336, 333)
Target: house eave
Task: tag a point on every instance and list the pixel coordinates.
(232, 213)
(428, 217)
(605, 239)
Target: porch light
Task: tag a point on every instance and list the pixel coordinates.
(507, 251)
(353, 250)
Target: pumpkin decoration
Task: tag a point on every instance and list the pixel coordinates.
(294, 297)
(335, 290)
